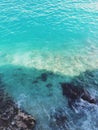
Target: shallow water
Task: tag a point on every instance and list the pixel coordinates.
(58, 37)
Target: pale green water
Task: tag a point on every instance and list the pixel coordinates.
(57, 36)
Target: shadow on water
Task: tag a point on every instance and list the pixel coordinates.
(56, 101)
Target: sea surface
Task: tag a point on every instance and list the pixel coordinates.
(57, 39)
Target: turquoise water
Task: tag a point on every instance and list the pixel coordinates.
(52, 28)
(49, 24)
(42, 35)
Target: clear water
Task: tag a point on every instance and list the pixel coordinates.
(43, 36)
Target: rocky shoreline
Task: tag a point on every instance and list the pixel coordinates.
(11, 116)
(78, 103)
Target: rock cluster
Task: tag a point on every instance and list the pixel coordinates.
(12, 117)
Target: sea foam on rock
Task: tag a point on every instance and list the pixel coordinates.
(59, 119)
(75, 93)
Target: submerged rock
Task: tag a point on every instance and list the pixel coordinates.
(59, 120)
(49, 85)
(44, 76)
(75, 93)
(12, 117)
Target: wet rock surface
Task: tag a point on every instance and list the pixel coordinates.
(12, 117)
(75, 93)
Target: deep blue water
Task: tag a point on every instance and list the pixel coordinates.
(57, 36)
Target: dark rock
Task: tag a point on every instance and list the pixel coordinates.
(24, 120)
(49, 85)
(12, 117)
(74, 93)
(44, 76)
(86, 96)
(35, 82)
(71, 91)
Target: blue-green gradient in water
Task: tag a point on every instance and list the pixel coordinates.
(54, 35)
(47, 26)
